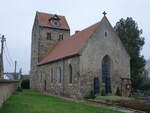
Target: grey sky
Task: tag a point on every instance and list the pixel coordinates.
(17, 16)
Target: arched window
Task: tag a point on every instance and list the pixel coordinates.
(45, 88)
(106, 65)
(70, 74)
(105, 68)
(60, 75)
(52, 75)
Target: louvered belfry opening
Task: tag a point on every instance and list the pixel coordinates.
(106, 67)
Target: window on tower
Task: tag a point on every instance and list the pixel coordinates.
(60, 37)
(49, 36)
(55, 21)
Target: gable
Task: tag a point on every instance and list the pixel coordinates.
(104, 41)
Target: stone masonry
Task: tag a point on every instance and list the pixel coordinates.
(57, 69)
(6, 89)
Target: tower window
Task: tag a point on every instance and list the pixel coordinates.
(48, 36)
(60, 37)
(55, 21)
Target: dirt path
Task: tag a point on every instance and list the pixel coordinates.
(92, 103)
(122, 109)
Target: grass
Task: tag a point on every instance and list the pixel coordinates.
(30, 101)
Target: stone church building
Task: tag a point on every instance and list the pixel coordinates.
(93, 59)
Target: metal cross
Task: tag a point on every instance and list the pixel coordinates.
(104, 13)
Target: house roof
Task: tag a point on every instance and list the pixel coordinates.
(70, 46)
(43, 20)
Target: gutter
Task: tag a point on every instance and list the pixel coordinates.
(40, 64)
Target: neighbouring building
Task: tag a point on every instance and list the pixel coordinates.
(12, 76)
(93, 59)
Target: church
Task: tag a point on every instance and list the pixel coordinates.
(93, 59)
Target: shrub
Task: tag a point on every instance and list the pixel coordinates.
(19, 89)
(25, 84)
(90, 95)
(118, 93)
(103, 92)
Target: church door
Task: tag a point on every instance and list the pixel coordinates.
(106, 74)
(96, 85)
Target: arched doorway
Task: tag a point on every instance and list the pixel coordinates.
(106, 67)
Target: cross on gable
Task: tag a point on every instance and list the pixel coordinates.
(104, 13)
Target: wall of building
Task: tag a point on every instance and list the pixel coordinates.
(94, 51)
(64, 88)
(6, 89)
(45, 46)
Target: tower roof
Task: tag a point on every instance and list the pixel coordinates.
(44, 21)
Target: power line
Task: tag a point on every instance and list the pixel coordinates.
(8, 53)
(7, 58)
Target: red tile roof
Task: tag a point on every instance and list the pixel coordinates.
(70, 46)
(43, 20)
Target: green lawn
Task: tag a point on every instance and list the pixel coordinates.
(30, 101)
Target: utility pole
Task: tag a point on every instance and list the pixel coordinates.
(15, 70)
(15, 67)
(3, 39)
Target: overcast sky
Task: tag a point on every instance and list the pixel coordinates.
(17, 17)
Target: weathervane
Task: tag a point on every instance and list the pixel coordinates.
(104, 13)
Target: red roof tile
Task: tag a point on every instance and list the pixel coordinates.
(43, 20)
(69, 47)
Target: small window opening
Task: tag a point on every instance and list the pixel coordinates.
(60, 37)
(70, 74)
(48, 36)
(60, 76)
(45, 85)
(52, 76)
(105, 34)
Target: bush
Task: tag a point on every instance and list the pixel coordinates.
(118, 92)
(19, 89)
(90, 95)
(25, 84)
(103, 92)
(145, 85)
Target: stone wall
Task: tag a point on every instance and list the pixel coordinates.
(6, 89)
(55, 87)
(97, 47)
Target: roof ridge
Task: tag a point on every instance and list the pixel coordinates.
(72, 36)
(49, 13)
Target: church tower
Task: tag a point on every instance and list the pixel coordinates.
(48, 29)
